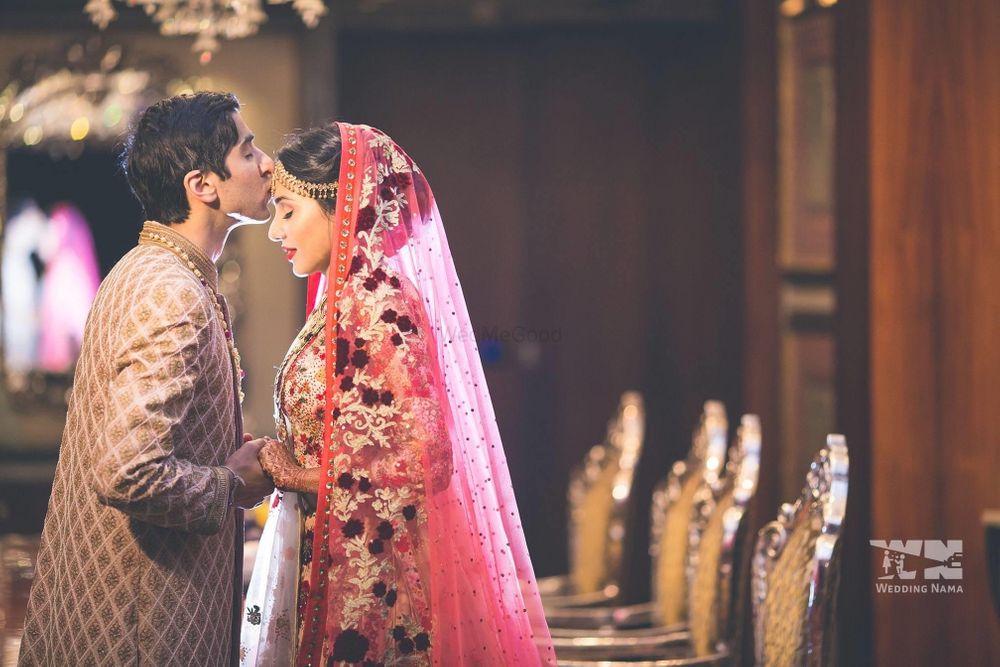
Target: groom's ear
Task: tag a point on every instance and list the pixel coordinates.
(199, 185)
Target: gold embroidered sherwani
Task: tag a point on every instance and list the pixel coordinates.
(138, 554)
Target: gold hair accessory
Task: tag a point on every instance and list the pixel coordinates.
(300, 187)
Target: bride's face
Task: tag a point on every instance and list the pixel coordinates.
(303, 229)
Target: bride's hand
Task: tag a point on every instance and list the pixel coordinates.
(279, 464)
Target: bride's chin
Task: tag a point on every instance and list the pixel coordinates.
(299, 273)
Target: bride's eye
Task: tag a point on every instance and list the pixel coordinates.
(286, 216)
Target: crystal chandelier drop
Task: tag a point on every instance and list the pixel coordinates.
(209, 20)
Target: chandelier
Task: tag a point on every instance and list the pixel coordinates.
(209, 20)
(82, 93)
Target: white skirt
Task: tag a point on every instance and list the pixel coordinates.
(269, 628)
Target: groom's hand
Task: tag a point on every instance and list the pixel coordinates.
(243, 462)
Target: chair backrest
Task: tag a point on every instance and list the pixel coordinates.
(599, 494)
(716, 529)
(795, 567)
(673, 504)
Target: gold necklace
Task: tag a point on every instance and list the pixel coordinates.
(165, 242)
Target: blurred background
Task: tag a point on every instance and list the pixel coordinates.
(791, 206)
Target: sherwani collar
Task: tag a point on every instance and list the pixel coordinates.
(197, 256)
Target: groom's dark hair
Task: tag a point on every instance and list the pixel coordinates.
(171, 138)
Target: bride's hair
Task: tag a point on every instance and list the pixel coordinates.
(313, 156)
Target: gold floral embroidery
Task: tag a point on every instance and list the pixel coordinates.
(400, 163)
(386, 424)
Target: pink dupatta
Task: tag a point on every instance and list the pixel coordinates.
(485, 606)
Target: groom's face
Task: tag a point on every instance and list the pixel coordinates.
(247, 190)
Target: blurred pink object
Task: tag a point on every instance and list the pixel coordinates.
(69, 286)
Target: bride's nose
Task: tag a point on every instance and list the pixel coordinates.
(266, 165)
(274, 231)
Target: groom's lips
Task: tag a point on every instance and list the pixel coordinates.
(289, 253)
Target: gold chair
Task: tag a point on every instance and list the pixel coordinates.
(599, 494)
(673, 500)
(796, 567)
(718, 547)
(673, 504)
(794, 575)
(717, 512)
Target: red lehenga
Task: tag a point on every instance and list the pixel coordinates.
(414, 553)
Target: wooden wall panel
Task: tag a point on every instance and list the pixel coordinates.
(761, 340)
(853, 326)
(583, 251)
(693, 343)
(759, 197)
(935, 244)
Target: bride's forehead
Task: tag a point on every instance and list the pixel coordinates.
(283, 195)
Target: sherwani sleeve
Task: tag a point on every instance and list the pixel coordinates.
(152, 389)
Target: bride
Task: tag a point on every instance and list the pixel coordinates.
(393, 537)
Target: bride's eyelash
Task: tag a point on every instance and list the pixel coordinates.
(286, 216)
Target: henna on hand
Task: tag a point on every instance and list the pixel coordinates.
(279, 464)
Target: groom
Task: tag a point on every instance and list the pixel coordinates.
(139, 560)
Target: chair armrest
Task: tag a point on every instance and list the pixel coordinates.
(629, 616)
(645, 643)
(557, 585)
(602, 598)
(714, 660)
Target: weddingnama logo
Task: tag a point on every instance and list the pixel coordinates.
(516, 334)
(922, 566)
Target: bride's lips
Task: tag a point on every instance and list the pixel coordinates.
(289, 252)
